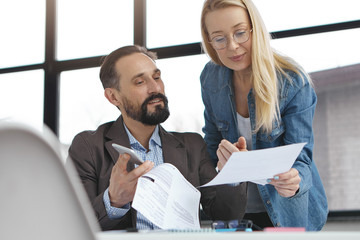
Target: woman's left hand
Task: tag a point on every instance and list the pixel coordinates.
(287, 184)
(226, 148)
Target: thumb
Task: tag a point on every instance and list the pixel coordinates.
(241, 144)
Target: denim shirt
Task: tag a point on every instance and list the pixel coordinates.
(297, 101)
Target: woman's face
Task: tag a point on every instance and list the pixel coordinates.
(225, 24)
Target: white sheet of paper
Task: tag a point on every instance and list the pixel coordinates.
(258, 165)
(167, 199)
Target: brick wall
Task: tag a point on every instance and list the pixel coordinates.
(337, 143)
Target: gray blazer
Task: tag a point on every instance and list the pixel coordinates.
(93, 157)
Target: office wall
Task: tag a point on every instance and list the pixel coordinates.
(337, 141)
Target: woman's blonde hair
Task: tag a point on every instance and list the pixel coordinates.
(266, 63)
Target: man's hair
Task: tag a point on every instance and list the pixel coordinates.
(108, 75)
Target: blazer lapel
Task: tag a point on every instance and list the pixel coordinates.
(117, 134)
(174, 151)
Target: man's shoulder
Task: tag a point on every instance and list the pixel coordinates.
(100, 132)
(186, 134)
(188, 137)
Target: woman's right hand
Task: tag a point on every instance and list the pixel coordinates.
(226, 148)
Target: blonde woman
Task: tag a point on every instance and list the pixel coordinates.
(256, 98)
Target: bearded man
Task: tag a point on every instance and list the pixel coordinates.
(133, 84)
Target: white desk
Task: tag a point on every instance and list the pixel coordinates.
(328, 235)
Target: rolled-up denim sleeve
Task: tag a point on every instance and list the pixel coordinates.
(298, 119)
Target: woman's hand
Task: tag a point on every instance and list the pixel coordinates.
(286, 184)
(226, 148)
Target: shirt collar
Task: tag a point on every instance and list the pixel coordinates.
(155, 138)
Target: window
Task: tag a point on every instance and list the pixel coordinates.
(181, 78)
(22, 32)
(93, 28)
(281, 15)
(83, 105)
(22, 97)
(180, 25)
(322, 51)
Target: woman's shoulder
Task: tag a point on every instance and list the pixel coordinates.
(214, 75)
(296, 80)
(292, 82)
(210, 68)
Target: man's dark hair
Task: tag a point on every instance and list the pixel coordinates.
(108, 75)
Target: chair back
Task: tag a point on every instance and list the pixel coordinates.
(39, 199)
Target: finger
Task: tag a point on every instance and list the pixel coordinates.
(288, 191)
(219, 166)
(222, 159)
(285, 182)
(140, 170)
(289, 185)
(121, 163)
(225, 144)
(223, 153)
(227, 148)
(285, 192)
(241, 144)
(292, 173)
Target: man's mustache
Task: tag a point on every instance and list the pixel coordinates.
(152, 97)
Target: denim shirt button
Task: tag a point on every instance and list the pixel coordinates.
(278, 224)
(268, 202)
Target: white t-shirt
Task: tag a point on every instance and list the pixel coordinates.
(254, 202)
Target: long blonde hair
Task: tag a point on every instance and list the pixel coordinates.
(266, 62)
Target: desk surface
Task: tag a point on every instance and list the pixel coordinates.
(229, 236)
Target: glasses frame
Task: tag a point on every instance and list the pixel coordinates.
(233, 37)
(232, 224)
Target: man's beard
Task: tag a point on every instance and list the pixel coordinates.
(142, 115)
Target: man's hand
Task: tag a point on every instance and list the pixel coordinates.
(122, 183)
(226, 148)
(286, 184)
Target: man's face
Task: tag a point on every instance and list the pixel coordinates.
(142, 96)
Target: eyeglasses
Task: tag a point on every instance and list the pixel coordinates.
(239, 225)
(239, 36)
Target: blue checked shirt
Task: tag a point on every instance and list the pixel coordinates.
(155, 155)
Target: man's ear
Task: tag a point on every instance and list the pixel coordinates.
(112, 96)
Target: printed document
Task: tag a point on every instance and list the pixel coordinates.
(167, 199)
(258, 165)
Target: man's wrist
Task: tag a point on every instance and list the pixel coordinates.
(113, 211)
(117, 204)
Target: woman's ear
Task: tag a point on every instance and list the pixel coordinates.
(112, 96)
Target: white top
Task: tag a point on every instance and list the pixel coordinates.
(254, 202)
(244, 128)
